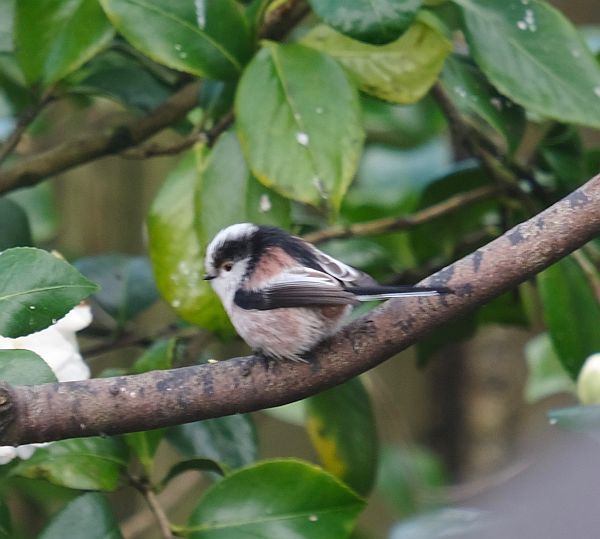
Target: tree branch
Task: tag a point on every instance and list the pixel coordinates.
(92, 146)
(391, 224)
(162, 398)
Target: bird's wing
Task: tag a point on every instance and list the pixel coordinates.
(347, 274)
(298, 287)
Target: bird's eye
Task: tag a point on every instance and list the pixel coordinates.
(228, 266)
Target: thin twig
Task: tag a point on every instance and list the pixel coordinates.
(24, 122)
(392, 224)
(145, 489)
(98, 144)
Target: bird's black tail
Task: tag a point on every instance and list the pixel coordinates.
(371, 293)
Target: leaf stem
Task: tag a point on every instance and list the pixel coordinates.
(143, 486)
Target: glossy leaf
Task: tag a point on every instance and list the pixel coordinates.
(341, 425)
(476, 98)
(89, 516)
(55, 38)
(5, 522)
(298, 120)
(561, 154)
(401, 72)
(14, 225)
(229, 440)
(546, 376)
(176, 251)
(170, 35)
(224, 21)
(36, 289)
(126, 284)
(121, 78)
(144, 444)
(39, 205)
(156, 358)
(228, 194)
(557, 78)
(565, 290)
(286, 499)
(410, 479)
(80, 463)
(200, 465)
(24, 368)
(375, 21)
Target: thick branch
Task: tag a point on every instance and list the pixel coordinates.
(162, 398)
(89, 147)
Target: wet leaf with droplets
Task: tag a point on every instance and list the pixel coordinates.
(534, 55)
(286, 499)
(298, 119)
(400, 72)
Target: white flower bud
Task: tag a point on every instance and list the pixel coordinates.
(588, 383)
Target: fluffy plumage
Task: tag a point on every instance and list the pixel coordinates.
(282, 294)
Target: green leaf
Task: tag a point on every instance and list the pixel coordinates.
(5, 522)
(55, 38)
(571, 313)
(89, 516)
(432, 240)
(576, 418)
(286, 499)
(126, 284)
(39, 205)
(228, 194)
(229, 440)
(156, 358)
(375, 21)
(510, 40)
(224, 21)
(144, 444)
(451, 523)
(81, 463)
(121, 78)
(36, 289)
(170, 35)
(176, 251)
(401, 72)
(298, 119)
(476, 98)
(200, 465)
(7, 13)
(14, 225)
(410, 479)
(561, 154)
(341, 426)
(24, 368)
(546, 376)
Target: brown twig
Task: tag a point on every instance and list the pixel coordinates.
(145, 489)
(589, 271)
(22, 125)
(92, 146)
(162, 398)
(393, 224)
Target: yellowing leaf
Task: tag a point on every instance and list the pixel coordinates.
(400, 72)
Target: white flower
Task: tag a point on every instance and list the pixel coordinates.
(57, 346)
(588, 382)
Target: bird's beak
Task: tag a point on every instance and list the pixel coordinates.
(208, 276)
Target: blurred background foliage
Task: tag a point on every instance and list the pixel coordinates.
(399, 140)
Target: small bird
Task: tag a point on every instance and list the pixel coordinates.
(282, 294)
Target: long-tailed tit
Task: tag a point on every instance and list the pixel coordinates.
(282, 294)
